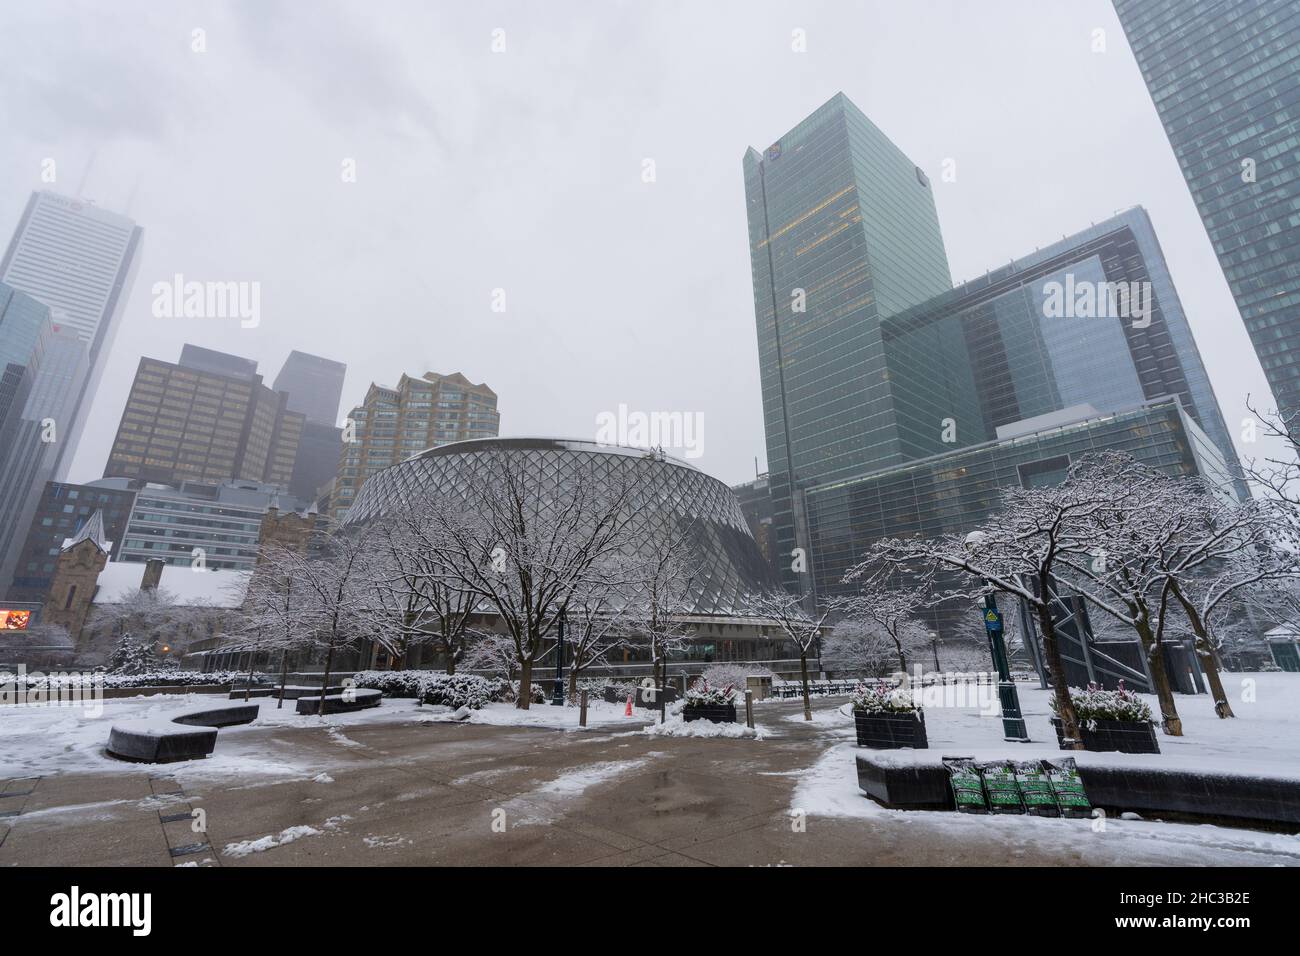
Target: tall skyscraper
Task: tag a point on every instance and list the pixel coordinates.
(182, 423)
(80, 261)
(37, 398)
(1225, 80)
(314, 386)
(995, 350)
(395, 423)
(842, 234)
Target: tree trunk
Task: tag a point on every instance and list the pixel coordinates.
(524, 697)
(325, 684)
(1211, 667)
(573, 683)
(1205, 654)
(1060, 686)
(1170, 722)
(803, 673)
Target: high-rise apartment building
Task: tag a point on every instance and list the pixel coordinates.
(1225, 80)
(392, 424)
(842, 233)
(314, 386)
(80, 261)
(182, 423)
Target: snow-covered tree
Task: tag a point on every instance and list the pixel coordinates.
(334, 603)
(888, 604)
(859, 648)
(528, 548)
(787, 611)
(659, 599)
(418, 598)
(1018, 551)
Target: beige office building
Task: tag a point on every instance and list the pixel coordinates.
(184, 423)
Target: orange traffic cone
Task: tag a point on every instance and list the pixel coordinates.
(628, 712)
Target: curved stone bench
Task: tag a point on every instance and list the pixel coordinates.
(291, 691)
(336, 704)
(186, 736)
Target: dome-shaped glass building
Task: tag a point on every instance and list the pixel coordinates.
(670, 499)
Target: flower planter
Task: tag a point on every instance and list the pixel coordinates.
(1122, 736)
(891, 731)
(717, 713)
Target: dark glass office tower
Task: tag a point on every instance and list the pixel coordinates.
(842, 233)
(994, 351)
(1225, 79)
(314, 386)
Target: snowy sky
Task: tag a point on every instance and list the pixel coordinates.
(522, 171)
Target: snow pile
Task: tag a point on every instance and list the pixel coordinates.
(677, 726)
(599, 714)
(262, 844)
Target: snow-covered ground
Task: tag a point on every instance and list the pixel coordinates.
(39, 740)
(1264, 738)
(830, 788)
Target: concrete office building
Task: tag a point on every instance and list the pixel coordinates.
(184, 423)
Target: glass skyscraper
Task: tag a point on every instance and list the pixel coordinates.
(842, 234)
(1225, 80)
(871, 360)
(80, 261)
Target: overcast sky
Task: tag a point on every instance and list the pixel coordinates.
(522, 170)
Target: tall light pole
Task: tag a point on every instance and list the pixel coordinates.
(1013, 721)
(557, 695)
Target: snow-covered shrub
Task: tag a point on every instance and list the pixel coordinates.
(169, 677)
(1096, 703)
(880, 698)
(704, 694)
(734, 674)
(535, 693)
(435, 687)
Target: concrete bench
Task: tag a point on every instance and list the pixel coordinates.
(1139, 788)
(186, 736)
(338, 704)
(291, 691)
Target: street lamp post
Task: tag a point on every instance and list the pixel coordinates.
(1013, 721)
(557, 695)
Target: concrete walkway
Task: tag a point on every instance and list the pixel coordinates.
(453, 794)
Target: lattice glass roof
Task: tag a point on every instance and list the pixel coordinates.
(670, 498)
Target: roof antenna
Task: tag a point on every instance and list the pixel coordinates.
(81, 186)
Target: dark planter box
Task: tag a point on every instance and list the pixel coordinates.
(891, 731)
(1123, 736)
(719, 714)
